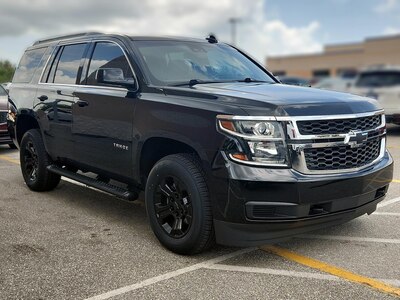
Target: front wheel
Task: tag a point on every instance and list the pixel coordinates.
(34, 162)
(178, 204)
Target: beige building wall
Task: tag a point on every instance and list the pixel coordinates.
(374, 51)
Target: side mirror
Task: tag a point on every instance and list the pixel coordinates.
(113, 76)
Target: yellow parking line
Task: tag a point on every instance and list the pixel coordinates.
(342, 273)
(9, 159)
(396, 180)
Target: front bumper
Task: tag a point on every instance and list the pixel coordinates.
(268, 205)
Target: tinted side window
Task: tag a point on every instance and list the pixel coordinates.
(27, 66)
(68, 65)
(107, 56)
(49, 76)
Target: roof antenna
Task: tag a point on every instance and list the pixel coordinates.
(212, 39)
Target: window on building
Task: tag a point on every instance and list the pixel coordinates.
(279, 73)
(321, 73)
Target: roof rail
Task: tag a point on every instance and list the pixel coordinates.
(68, 36)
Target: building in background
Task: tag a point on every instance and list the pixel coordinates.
(339, 60)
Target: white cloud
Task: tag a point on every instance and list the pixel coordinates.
(256, 35)
(391, 30)
(387, 6)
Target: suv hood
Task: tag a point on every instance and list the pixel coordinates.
(285, 100)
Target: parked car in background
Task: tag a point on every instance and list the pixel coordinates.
(292, 80)
(337, 84)
(382, 84)
(4, 135)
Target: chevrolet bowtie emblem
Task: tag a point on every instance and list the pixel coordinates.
(355, 138)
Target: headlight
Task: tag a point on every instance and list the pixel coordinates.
(260, 141)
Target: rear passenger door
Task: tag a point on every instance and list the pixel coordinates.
(103, 113)
(55, 96)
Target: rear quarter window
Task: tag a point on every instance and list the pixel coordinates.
(28, 64)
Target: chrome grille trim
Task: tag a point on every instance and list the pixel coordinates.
(337, 126)
(297, 142)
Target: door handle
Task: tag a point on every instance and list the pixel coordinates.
(82, 103)
(43, 98)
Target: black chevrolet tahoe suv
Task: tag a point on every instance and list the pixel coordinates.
(222, 150)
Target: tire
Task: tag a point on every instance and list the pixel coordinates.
(181, 177)
(34, 161)
(12, 146)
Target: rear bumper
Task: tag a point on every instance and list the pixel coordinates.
(262, 212)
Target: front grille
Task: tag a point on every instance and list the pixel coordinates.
(3, 117)
(342, 157)
(337, 126)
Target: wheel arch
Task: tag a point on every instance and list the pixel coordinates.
(24, 123)
(156, 147)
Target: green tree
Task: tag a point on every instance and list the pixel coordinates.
(6, 70)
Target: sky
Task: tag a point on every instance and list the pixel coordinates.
(265, 28)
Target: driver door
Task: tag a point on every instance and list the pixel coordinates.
(103, 112)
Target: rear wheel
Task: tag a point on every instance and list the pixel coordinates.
(178, 204)
(34, 162)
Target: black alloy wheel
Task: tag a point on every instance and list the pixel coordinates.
(178, 204)
(31, 164)
(34, 162)
(173, 207)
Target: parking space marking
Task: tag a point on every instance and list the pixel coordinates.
(169, 275)
(268, 271)
(396, 180)
(389, 202)
(386, 214)
(348, 238)
(327, 268)
(288, 273)
(9, 159)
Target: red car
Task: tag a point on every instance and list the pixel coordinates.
(4, 135)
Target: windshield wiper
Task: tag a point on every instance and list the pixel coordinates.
(248, 79)
(193, 82)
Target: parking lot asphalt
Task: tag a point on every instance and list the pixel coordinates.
(78, 243)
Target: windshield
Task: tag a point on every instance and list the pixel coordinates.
(378, 79)
(176, 62)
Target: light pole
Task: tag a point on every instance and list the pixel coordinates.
(233, 22)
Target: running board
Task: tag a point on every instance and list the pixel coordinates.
(97, 184)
